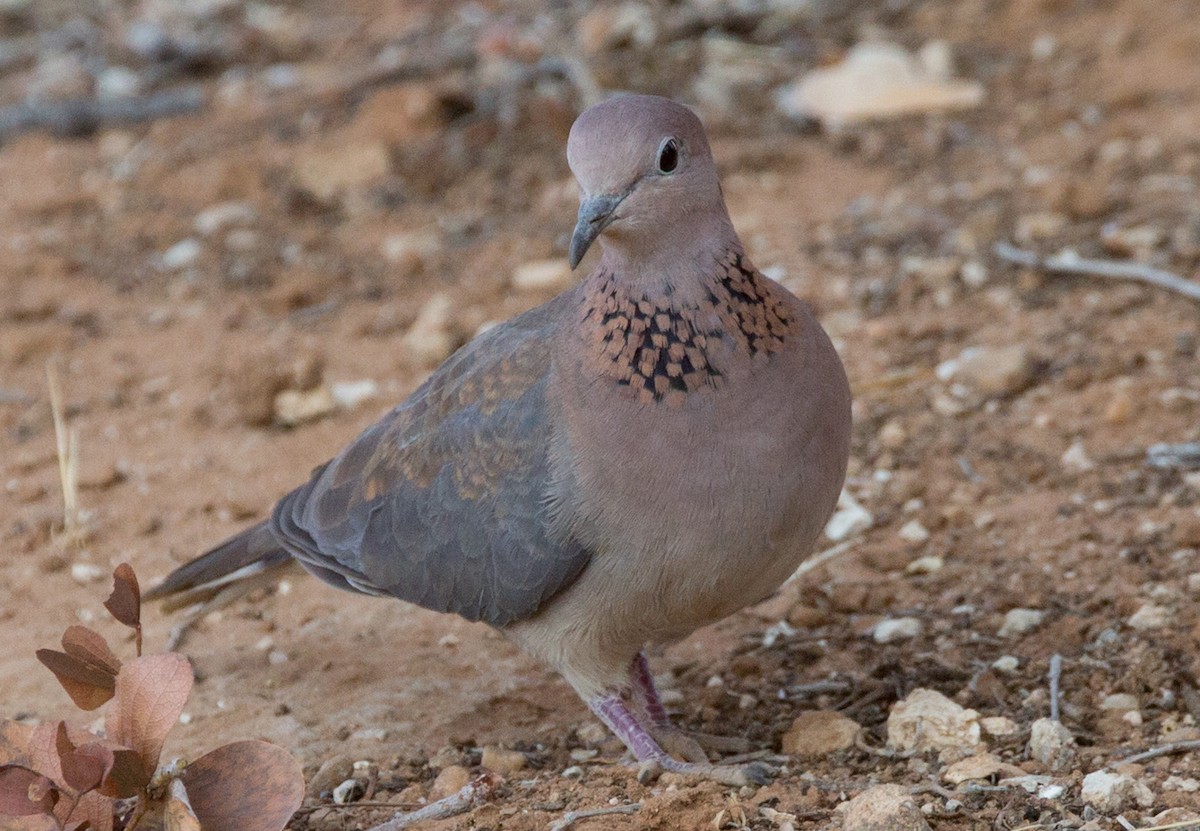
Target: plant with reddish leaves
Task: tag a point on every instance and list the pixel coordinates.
(58, 776)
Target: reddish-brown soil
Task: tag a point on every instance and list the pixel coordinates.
(168, 374)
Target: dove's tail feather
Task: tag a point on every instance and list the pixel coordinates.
(245, 560)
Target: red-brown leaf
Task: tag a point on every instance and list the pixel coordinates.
(151, 692)
(250, 786)
(43, 750)
(125, 602)
(84, 768)
(126, 777)
(93, 811)
(91, 648)
(89, 686)
(24, 792)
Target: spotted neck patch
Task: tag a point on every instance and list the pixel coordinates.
(662, 348)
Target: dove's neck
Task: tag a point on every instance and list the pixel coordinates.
(677, 259)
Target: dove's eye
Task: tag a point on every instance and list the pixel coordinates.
(668, 156)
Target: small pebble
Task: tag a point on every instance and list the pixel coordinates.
(1052, 744)
(892, 630)
(928, 564)
(180, 255)
(1006, 663)
(913, 532)
(1019, 621)
(1149, 616)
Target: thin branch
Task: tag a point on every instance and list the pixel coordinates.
(572, 817)
(83, 116)
(1068, 262)
(1055, 685)
(1162, 750)
(822, 557)
(473, 794)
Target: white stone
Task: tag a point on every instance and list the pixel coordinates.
(180, 255)
(1076, 459)
(1107, 791)
(927, 720)
(913, 532)
(1019, 621)
(429, 340)
(850, 519)
(220, 216)
(86, 573)
(882, 808)
(349, 394)
(1006, 663)
(891, 630)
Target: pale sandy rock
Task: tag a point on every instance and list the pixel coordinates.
(1121, 702)
(293, 407)
(502, 761)
(928, 564)
(927, 720)
(876, 81)
(1149, 616)
(979, 766)
(999, 726)
(349, 394)
(1111, 792)
(1076, 458)
(1019, 621)
(913, 532)
(332, 771)
(883, 808)
(1052, 744)
(891, 630)
(992, 372)
(449, 781)
(819, 732)
(411, 251)
(429, 340)
(543, 275)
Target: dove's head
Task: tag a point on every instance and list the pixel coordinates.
(646, 177)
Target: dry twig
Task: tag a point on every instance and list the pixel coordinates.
(67, 447)
(1068, 262)
(1055, 685)
(1163, 750)
(473, 794)
(80, 117)
(572, 817)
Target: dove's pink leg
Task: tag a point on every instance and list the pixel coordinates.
(643, 686)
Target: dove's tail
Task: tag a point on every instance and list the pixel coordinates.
(246, 560)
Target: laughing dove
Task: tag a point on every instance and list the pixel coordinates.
(645, 454)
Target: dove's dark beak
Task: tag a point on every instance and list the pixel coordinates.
(595, 214)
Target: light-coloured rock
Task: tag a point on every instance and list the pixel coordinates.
(293, 407)
(411, 251)
(328, 171)
(927, 720)
(502, 761)
(819, 732)
(929, 564)
(999, 726)
(543, 275)
(913, 532)
(1149, 616)
(979, 766)
(883, 808)
(849, 520)
(349, 394)
(1019, 621)
(84, 573)
(429, 340)
(1006, 663)
(1052, 744)
(1121, 702)
(180, 255)
(1112, 792)
(891, 630)
(218, 217)
(875, 81)
(332, 771)
(450, 781)
(1076, 459)
(993, 372)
